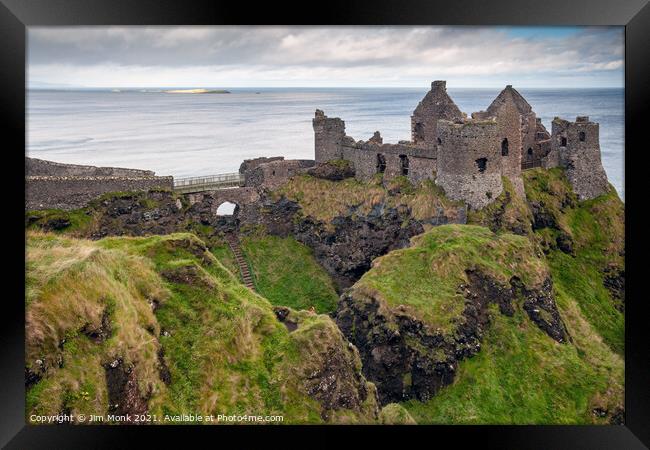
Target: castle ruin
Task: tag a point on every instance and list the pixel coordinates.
(469, 156)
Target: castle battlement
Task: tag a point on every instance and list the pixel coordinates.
(468, 157)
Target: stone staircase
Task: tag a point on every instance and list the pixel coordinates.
(233, 242)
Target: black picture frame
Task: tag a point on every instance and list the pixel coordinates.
(16, 15)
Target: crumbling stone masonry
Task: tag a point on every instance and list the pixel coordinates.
(270, 173)
(436, 105)
(52, 192)
(468, 157)
(575, 146)
(69, 186)
(516, 128)
(470, 164)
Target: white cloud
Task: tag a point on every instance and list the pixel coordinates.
(325, 56)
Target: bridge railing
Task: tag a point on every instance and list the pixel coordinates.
(207, 181)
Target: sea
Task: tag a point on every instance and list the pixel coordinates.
(202, 134)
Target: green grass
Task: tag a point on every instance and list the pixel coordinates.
(597, 229)
(324, 200)
(521, 376)
(287, 274)
(508, 213)
(81, 220)
(226, 351)
(425, 277)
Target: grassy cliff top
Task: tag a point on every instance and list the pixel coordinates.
(425, 277)
(165, 304)
(324, 199)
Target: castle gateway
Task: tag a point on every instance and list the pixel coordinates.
(469, 156)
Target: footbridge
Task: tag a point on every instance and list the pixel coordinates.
(188, 185)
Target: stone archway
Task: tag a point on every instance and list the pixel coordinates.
(227, 209)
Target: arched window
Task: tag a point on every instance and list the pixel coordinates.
(582, 136)
(530, 151)
(226, 209)
(562, 141)
(504, 147)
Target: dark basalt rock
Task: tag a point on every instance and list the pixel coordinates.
(564, 243)
(124, 396)
(333, 170)
(190, 275)
(347, 251)
(129, 215)
(282, 313)
(541, 217)
(56, 224)
(99, 333)
(540, 306)
(163, 369)
(406, 359)
(336, 383)
(614, 281)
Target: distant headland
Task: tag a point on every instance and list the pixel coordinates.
(197, 91)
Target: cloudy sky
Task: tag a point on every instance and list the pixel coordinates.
(325, 56)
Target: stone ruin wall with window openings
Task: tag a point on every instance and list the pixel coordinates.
(468, 157)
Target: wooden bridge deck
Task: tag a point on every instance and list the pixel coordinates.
(188, 185)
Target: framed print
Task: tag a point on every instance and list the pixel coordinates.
(380, 219)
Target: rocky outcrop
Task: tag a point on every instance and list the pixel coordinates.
(124, 397)
(333, 170)
(138, 214)
(347, 251)
(406, 359)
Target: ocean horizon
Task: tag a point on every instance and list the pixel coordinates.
(202, 134)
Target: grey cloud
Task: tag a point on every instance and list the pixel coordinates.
(401, 50)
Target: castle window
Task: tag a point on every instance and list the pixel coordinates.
(381, 163)
(504, 147)
(439, 141)
(563, 142)
(530, 151)
(404, 160)
(581, 136)
(481, 163)
(273, 173)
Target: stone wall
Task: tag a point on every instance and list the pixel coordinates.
(469, 161)
(243, 197)
(372, 156)
(578, 151)
(40, 167)
(329, 135)
(250, 164)
(71, 192)
(435, 105)
(270, 175)
(420, 163)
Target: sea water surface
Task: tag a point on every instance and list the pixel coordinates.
(202, 134)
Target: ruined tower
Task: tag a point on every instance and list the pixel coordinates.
(516, 127)
(575, 146)
(470, 161)
(435, 105)
(329, 134)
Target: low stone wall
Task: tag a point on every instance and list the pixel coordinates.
(41, 167)
(71, 192)
(250, 164)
